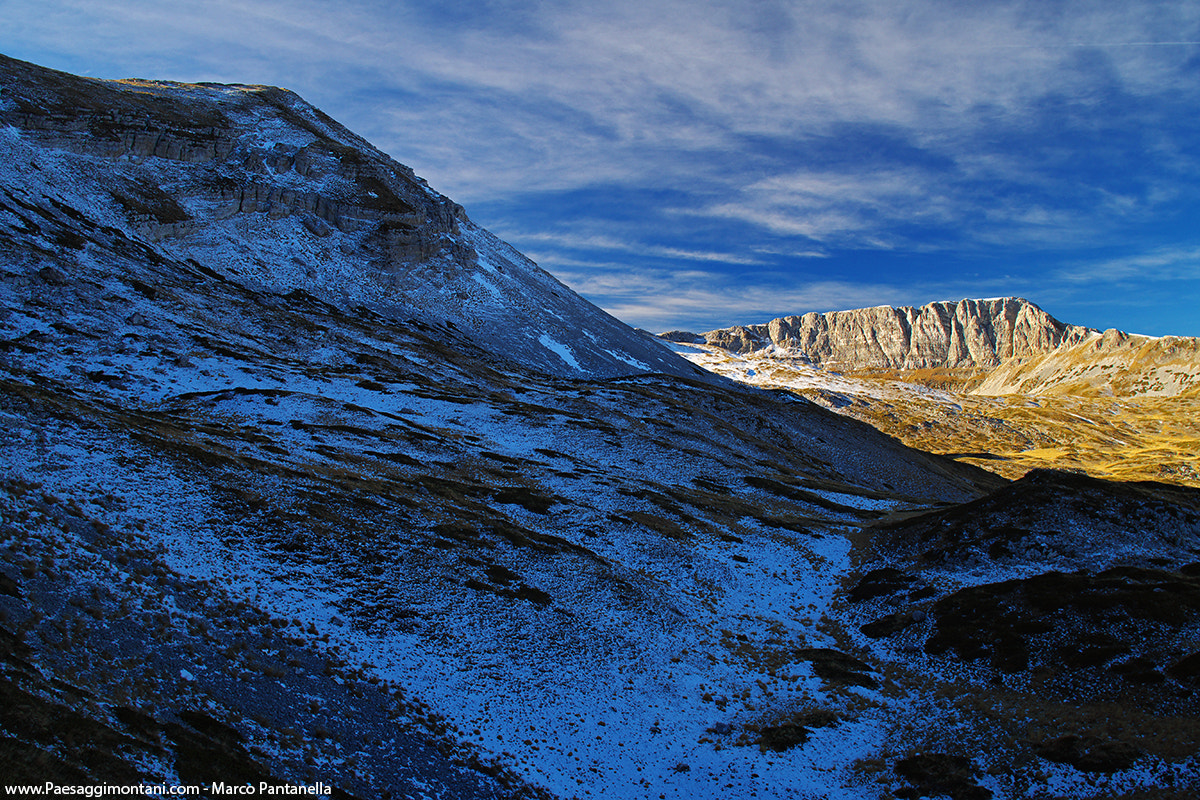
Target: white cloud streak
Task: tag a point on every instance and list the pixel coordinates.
(528, 242)
(1160, 264)
(699, 301)
(639, 79)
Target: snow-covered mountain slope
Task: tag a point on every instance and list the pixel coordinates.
(252, 184)
(316, 531)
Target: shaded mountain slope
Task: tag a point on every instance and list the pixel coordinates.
(252, 184)
(1066, 609)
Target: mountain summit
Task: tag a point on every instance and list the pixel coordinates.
(966, 333)
(252, 184)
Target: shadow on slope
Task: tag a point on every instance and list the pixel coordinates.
(1059, 616)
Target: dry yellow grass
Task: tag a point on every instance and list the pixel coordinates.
(1144, 438)
(1102, 414)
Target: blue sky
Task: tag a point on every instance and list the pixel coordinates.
(696, 164)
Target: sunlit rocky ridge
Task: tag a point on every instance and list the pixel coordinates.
(997, 383)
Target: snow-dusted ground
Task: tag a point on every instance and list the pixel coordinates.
(568, 721)
(776, 368)
(613, 701)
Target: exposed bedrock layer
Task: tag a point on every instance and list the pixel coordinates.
(967, 333)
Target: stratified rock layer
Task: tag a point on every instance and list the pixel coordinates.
(967, 333)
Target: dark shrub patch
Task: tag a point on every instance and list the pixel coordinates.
(534, 595)
(527, 498)
(1186, 669)
(1094, 656)
(795, 730)
(1089, 754)
(937, 775)
(501, 574)
(1002, 621)
(837, 668)
(886, 626)
(879, 582)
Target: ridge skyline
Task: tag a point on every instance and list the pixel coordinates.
(944, 301)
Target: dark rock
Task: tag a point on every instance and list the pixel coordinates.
(889, 625)
(1186, 669)
(1139, 670)
(683, 337)
(52, 276)
(879, 582)
(1091, 656)
(939, 774)
(9, 586)
(837, 668)
(1089, 753)
(316, 225)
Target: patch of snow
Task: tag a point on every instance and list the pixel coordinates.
(630, 360)
(560, 350)
(857, 501)
(488, 285)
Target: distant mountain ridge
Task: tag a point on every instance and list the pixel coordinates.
(966, 333)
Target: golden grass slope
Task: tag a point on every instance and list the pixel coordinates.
(1114, 364)
(1117, 407)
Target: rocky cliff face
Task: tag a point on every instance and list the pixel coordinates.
(969, 333)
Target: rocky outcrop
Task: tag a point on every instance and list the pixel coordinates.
(682, 337)
(321, 172)
(967, 333)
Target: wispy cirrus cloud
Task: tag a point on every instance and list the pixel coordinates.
(659, 300)
(1158, 265)
(572, 242)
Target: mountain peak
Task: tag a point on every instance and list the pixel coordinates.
(255, 185)
(962, 333)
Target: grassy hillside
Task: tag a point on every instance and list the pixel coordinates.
(1105, 412)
